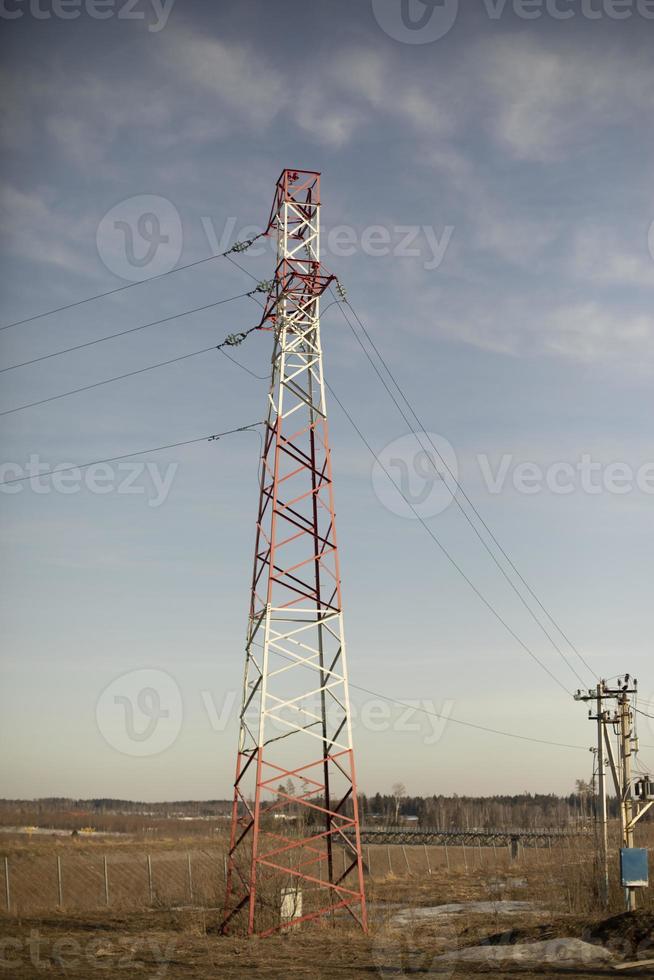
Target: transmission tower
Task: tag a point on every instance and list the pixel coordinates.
(295, 850)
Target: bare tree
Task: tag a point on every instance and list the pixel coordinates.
(399, 792)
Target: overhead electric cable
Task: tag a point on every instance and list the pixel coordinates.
(124, 333)
(449, 557)
(423, 432)
(141, 452)
(233, 340)
(467, 724)
(236, 247)
(444, 550)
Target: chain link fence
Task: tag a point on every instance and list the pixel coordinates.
(89, 881)
(168, 879)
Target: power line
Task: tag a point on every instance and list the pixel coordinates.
(233, 340)
(236, 247)
(450, 559)
(444, 550)
(464, 494)
(467, 724)
(141, 452)
(436, 540)
(447, 718)
(124, 333)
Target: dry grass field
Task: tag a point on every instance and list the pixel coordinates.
(164, 924)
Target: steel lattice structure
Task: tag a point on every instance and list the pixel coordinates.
(295, 789)
(427, 835)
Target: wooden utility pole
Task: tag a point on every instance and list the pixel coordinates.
(602, 815)
(601, 809)
(631, 810)
(625, 719)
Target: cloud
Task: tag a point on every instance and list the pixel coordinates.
(600, 255)
(236, 76)
(586, 332)
(36, 230)
(545, 101)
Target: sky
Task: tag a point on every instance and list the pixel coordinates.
(488, 206)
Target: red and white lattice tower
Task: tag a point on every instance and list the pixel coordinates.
(295, 850)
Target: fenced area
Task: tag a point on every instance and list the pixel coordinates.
(86, 878)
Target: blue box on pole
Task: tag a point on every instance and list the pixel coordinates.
(634, 870)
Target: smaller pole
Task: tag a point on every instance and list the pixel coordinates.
(406, 859)
(150, 883)
(390, 866)
(60, 886)
(369, 864)
(465, 857)
(190, 877)
(427, 857)
(106, 880)
(7, 891)
(602, 814)
(627, 803)
(447, 857)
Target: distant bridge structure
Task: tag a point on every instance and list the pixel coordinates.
(456, 837)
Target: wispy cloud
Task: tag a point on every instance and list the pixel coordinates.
(546, 100)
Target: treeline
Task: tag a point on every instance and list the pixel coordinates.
(525, 810)
(61, 804)
(491, 812)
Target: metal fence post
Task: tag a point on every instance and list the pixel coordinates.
(7, 891)
(447, 857)
(60, 884)
(150, 885)
(190, 877)
(106, 881)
